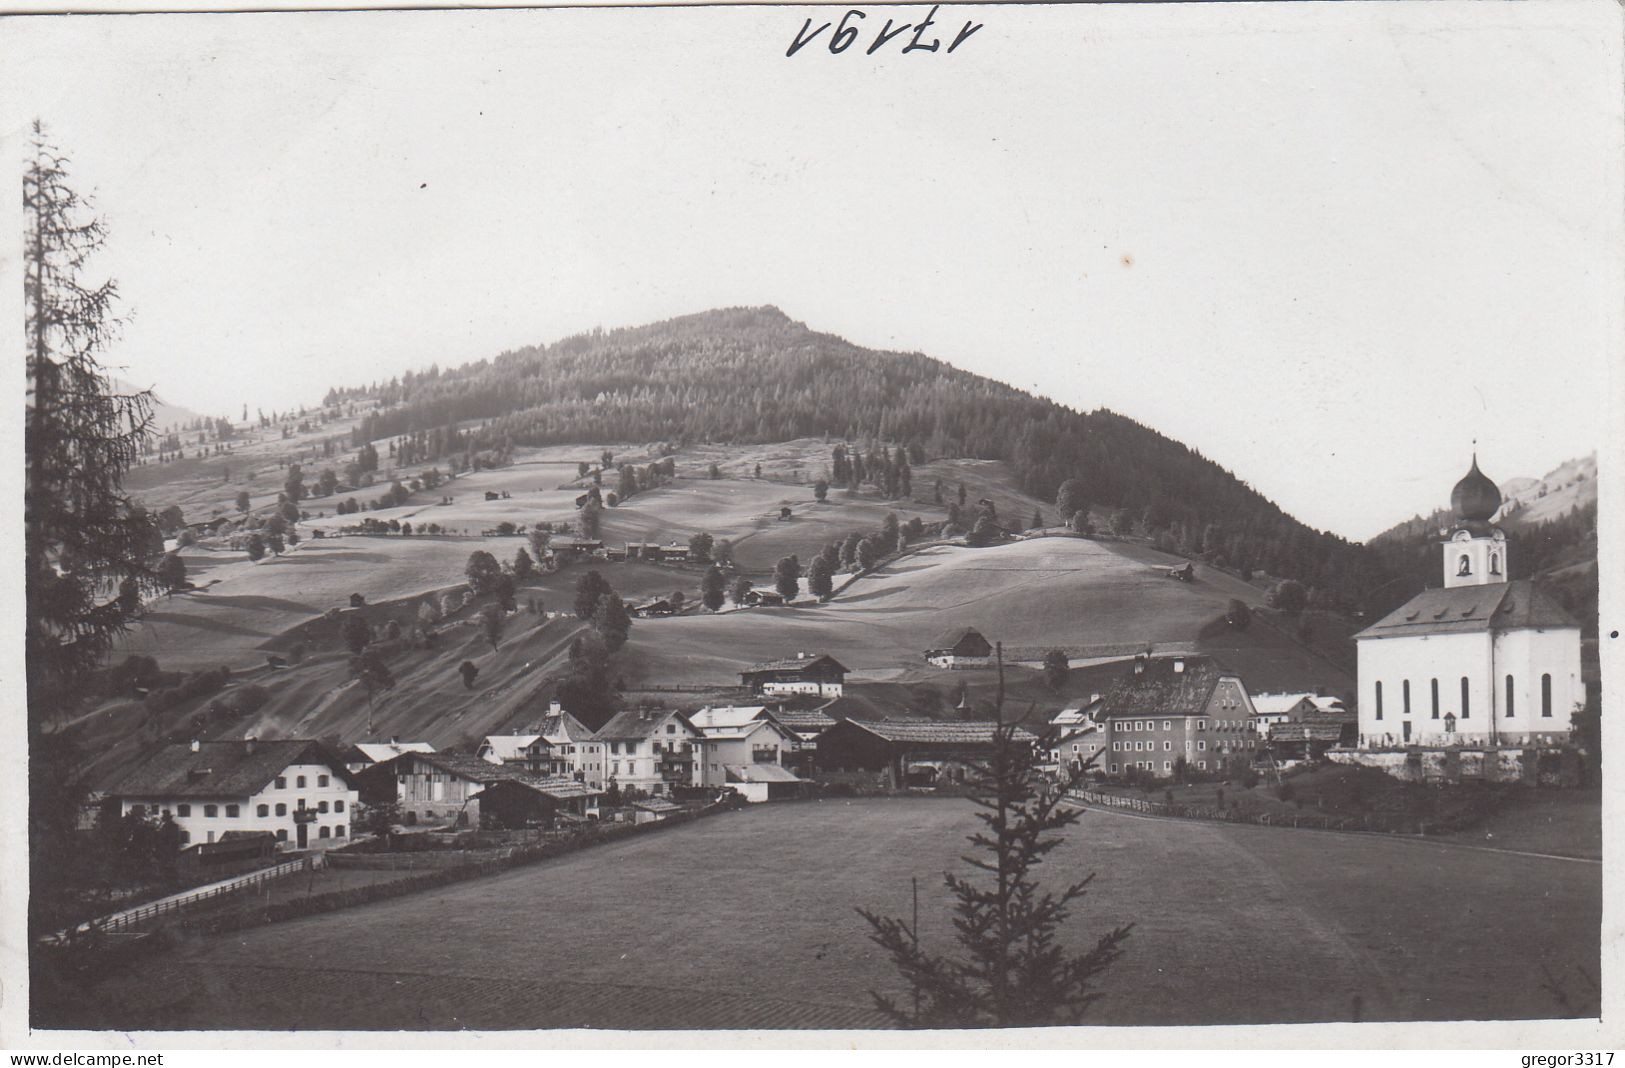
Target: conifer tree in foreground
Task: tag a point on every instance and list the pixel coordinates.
(1013, 970)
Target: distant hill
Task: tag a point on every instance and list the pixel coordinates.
(749, 375)
(165, 416)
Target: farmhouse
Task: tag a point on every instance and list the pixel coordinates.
(1483, 661)
(763, 782)
(803, 673)
(573, 750)
(960, 647)
(897, 748)
(649, 749)
(764, 599)
(1165, 710)
(1270, 709)
(739, 736)
(432, 786)
(661, 606)
(531, 752)
(295, 789)
(1079, 734)
(363, 755)
(514, 804)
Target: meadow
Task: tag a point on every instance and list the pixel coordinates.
(723, 923)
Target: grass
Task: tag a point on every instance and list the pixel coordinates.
(748, 918)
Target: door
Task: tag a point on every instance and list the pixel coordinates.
(304, 833)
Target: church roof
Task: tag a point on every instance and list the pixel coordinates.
(1515, 605)
(1475, 497)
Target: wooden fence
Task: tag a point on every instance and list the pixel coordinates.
(130, 919)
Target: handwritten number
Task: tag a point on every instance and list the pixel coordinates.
(887, 34)
(964, 33)
(803, 39)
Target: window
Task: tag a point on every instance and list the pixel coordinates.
(1405, 698)
(338, 806)
(1546, 696)
(214, 810)
(1379, 698)
(1464, 566)
(338, 832)
(1114, 769)
(300, 782)
(614, 747)
(1434, 685)
(281, 782)
(1167, 746)
(1202, 745)
(615, 768)
(1167, 725)
(282, 810)
(1465, 710)
(1495, 563)
(321, 780)
(282, 834)
(186, 837)
(262, 810)
(1201, 765)
(321, 806)
(324, 833)
(1510, 707)
(1201, 724)
(232, 812)
(180, 810)
(671, 728)
(1166, 766)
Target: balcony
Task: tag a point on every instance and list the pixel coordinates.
(764, 756)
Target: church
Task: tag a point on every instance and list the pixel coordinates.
(1484, 661)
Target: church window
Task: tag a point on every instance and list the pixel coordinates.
(1465, 567)
(1495, 563)
(1466, 709)
(1546, 696)
(1405, 697)
(1435, 688)
(1510, 708)
(1379, 700)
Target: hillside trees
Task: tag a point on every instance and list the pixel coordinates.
(243, 503)
(1237, 614)
(740, 588)
(699, 547)
(256, 547)
(523, 566)
(355, 632)
(172, 572)
(1056, 668)
(368, 668)
(612, 622)
(867, 554)
(492, 620)
(821, 489)
(787, 577)
(1289, 596)
(469, 671)
(590, 589)
(711, 588)
(820, 578)
(1071, 499)
(482, 572)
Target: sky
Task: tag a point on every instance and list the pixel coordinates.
(1328, 246)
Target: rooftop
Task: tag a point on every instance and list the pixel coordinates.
(220, 769)
(1163, 686)
(1501, 606)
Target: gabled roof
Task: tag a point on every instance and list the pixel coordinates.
(759, 773)
(1503, 606)
(1278, 704)
(561, 728)
(378, 752)
(934, 732)
(636, 724)
(506, 747)
(657, 804)
(952, 638)
(1161, 690)
(727, 716)
(796, 664)
(803, 720)
(559, 787)
(221, 769)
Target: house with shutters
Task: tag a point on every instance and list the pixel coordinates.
(1164, 710)
(960, 647)
(649, 749)
(741, 737)
(296, 789)
(804, 673)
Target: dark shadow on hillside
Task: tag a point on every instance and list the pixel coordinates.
(249, 600)
(201, 623)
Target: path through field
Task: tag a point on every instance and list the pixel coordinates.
(746, 920)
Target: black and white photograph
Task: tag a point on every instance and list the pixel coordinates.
(820, 520)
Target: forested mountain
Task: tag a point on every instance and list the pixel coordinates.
(755, 375)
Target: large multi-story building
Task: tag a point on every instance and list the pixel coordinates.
(651, 750)
(294, 788)
(1168, 709)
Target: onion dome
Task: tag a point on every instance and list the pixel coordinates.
(1475, 497)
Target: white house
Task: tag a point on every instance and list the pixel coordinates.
(818, 675)
(650, 750)
(363, 755)
(739, 737)
(1482, 661)
(294, 788)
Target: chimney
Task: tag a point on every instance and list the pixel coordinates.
(249, 745)
(554, 708)
(196, 745)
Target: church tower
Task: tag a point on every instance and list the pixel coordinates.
(1475, 552)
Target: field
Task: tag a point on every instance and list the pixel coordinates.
(716, 924)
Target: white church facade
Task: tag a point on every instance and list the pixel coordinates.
(1484, 661)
